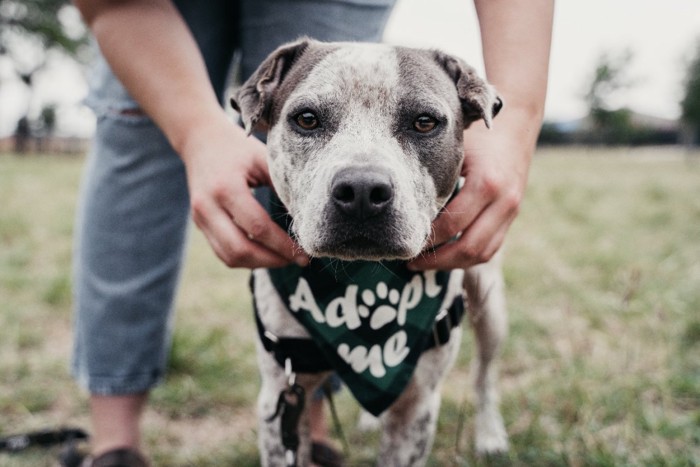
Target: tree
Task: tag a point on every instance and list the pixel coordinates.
(690, 105)
(610, 124)
(41, 21)
(31, 31)
(609, 77)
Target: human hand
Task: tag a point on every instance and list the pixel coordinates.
(223, 164)
(495, 169)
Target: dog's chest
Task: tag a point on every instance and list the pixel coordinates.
(370, 321)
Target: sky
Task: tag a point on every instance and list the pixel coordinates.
(661, 35)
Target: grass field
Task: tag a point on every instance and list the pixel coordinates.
(602, 367)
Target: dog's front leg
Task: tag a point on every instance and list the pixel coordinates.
(408, 426)
(409, 429)
(489, 318)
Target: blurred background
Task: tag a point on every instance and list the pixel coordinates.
(602, 266)
(622, 71)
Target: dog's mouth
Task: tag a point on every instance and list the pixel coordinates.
(365, 246)
(390, 234)
(358, 249)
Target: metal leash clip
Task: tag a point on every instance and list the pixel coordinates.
(290, 406)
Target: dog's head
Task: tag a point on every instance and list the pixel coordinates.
(364, 140)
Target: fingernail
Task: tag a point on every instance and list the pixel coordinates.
(411, 267)
(302, 261)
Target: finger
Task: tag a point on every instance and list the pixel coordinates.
(250, 254)
(476, 245)
(260, 172)
(460, 254)
(457, 216)
(233, 246)
(252, 218)
(448, 256)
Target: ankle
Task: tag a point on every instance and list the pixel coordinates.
(116, 422)
(100, 447)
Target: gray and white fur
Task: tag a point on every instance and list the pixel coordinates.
(365, 149)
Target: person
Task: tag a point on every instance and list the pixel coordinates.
(164, 149)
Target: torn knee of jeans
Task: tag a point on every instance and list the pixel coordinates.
(132, 112)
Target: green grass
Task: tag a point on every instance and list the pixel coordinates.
(602, 366)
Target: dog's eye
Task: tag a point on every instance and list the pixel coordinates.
(424, 123)
(307, 120)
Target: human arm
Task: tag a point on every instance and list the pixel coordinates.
(516, 37)
(152, 52)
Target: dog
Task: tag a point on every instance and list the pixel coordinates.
(365, 149)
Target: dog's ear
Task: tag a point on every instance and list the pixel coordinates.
(478, 98)
(254, 98)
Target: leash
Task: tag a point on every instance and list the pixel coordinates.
(41, 438)
(70, 456)
(338, 427)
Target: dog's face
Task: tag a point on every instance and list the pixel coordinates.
(365, 141)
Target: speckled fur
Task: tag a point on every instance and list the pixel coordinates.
(363, 93)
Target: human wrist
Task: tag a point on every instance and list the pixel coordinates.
(518, 124)
(523, 121)
(191, 134)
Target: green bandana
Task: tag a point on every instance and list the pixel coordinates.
(371, 320)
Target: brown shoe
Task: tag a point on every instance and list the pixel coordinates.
(325, 456)
(123, 457)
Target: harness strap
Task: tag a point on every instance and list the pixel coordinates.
(304, 354)
(445, 322)
(306, 357)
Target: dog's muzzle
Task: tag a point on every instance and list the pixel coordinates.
(361, 194)
(360, 219)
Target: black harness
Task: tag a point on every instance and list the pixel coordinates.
(302, 355)
(306, 357)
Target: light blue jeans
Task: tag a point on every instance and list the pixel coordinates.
(134, 205)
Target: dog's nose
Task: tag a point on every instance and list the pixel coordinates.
(362, 193)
